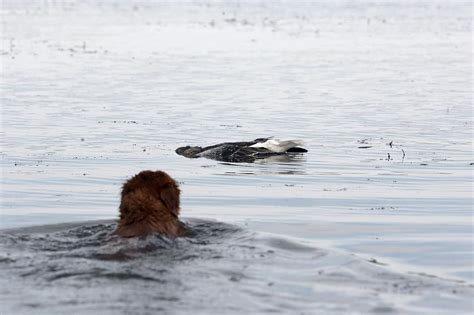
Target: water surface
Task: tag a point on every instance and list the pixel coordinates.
(94, 92)
(81, 268)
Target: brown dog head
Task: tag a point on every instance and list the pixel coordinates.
(149, 204)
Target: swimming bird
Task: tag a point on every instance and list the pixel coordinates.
(150, 204)
(246, 151)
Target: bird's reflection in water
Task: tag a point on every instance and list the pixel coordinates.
(288, 164)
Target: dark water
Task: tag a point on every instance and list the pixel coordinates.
(80, 268)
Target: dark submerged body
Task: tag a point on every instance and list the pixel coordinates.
(234, 151)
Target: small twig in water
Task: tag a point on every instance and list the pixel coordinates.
(403, 157)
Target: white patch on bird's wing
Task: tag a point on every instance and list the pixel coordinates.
(275, 145)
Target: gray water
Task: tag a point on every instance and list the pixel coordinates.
(94, 92)
(82, 269)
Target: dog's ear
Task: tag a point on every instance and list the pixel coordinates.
(169, 195)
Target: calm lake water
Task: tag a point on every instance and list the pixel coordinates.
(381, 92)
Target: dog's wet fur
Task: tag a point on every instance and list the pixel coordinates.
(150, 204)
